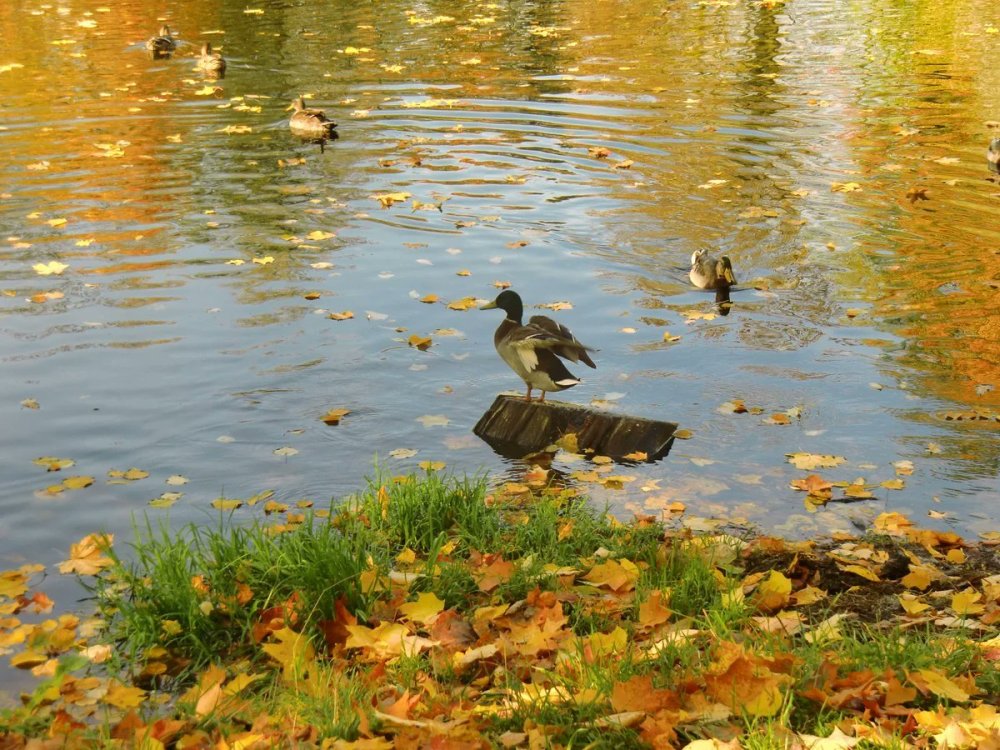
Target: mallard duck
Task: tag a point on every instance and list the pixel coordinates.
(210, 62)
(533, 350)
(162, 43)
(993, 155)
(313, 122)
(710, 273)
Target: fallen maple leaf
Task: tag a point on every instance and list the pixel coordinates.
(86, 557)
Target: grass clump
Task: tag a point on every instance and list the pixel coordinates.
(433, 611)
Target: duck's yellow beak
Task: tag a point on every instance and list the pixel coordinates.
(489, 306)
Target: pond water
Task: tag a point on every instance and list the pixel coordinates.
(835, 152)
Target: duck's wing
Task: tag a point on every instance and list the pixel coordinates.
(560, 340)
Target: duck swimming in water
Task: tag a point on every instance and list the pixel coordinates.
(993, 156)
(711, 273)
(211, 62)
(533, 349)
(311, 122)
(162, 44)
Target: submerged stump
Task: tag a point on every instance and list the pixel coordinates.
(516, 428)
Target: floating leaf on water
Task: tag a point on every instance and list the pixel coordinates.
(77, 483)
(431, 465)
(345, 315)
(429, 299)
(334, 416)
(810, 461)
(166, 499)
(387, 199)
(260, 496)
(30, 403)
(466, 303)
(423, 343)
(683, 434)
(51, 463)
(403, 453)
(131, 475)
(286, 451)
(263, 261)
(51, 268)
(226, 503)
(844, 187)
(434, 420)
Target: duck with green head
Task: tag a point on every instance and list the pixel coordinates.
(163, 43)
(533, 349)
(711, 273)
(211, 62)
(311, 122)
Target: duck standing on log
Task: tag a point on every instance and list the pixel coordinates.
(533, 350)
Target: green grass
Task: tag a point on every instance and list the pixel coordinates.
(200, 596)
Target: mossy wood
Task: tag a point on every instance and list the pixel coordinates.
(516, 427)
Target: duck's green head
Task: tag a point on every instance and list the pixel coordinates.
(510, 302)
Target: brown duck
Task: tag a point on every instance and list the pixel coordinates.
(533, 350)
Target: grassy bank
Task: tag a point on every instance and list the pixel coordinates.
(431, 612)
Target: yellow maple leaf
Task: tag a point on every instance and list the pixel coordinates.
(13, 583)
(86, 558)
(48, 269)
(912, 605)
(603, 644)
(615, 575)
(292, 651)
(810, 461)
(424, 610)
(968, 602)
(773, 593)
(860, 570)
(77, 483)
(937, 683)
(320, 235)
(122, 696)
(423, 343)
(919, 577)
(334, 416)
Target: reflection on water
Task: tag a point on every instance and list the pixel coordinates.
(580, 151)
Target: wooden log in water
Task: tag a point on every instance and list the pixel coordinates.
(516, 427)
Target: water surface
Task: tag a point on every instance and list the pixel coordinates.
(836, 153)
